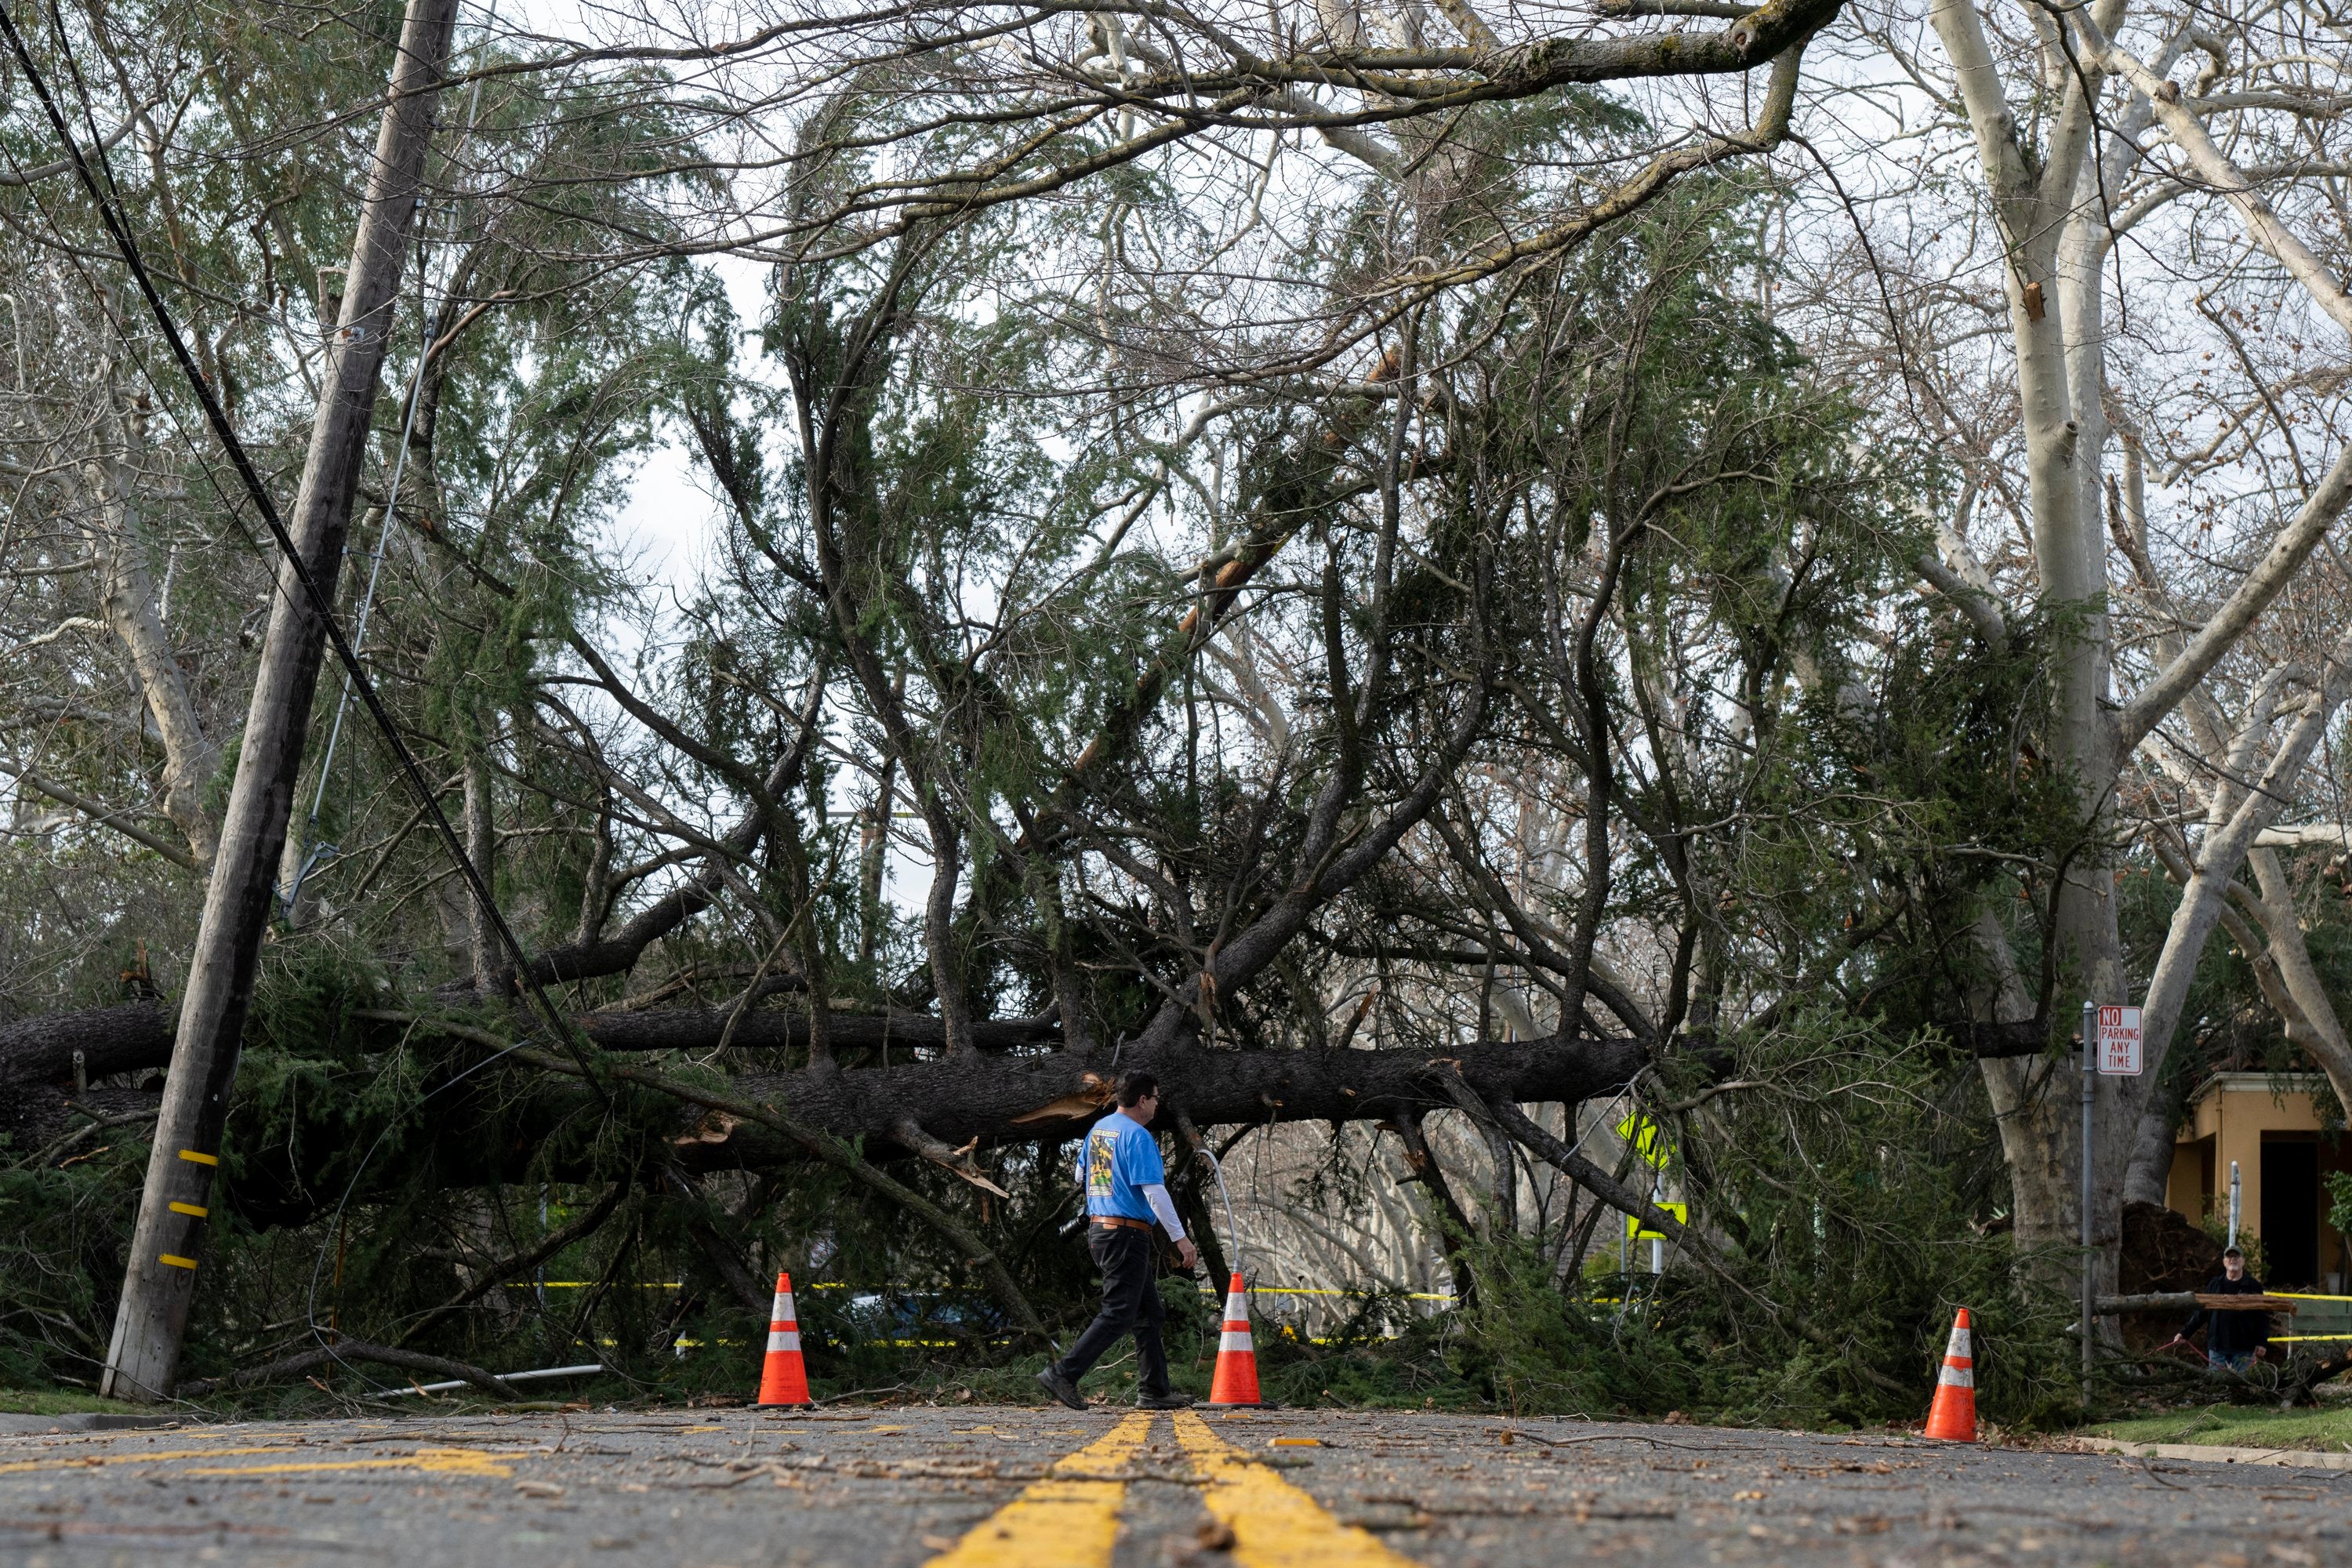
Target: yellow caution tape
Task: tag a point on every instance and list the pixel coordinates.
(1300, 1290)
(585, 1283)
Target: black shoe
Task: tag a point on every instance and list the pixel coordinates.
(1062, 1388)
(1163, 1402)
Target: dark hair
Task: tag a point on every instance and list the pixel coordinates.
(2232, 1252)
(1135, 1086)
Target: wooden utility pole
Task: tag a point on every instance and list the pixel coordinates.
(167, 1246)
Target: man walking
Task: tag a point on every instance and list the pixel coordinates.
(2235, 1340)
(1127, 1188)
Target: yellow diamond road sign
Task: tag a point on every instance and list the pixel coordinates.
(1649, 1139)
(1635, 1232)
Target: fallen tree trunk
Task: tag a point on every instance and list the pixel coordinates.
(36, 1118)
(998, 1100)
(779, 1028)
(136, 1037)
(1018, 1099)
(128, 1037)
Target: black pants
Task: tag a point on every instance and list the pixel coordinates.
(1130, 1272)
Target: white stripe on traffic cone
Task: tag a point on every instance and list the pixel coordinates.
(1235, 1382)
(784, 1377)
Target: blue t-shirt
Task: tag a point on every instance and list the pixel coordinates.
(1121, 1158)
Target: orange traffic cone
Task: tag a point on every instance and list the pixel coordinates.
(1953, 1415)
(1236, 1384)
(784, 1380)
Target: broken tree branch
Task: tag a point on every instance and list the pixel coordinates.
(489, 1279)
(340, 1351)
(832, 1152)
(957, 1163)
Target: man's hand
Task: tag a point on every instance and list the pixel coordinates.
(1189, 1253)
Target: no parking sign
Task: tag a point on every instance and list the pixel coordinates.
(2119, 1042)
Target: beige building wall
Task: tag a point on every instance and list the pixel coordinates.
(2231, 1116)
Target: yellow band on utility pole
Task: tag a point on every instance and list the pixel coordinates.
(176, 1261)
(193, 1211)
(193, 1158)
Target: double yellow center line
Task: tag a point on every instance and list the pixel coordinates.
(1070, 1519)
(1063, 1519)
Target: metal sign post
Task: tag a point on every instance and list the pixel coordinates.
(1636, 1230)
(1647, 1140)
(2090, 1088)
(2112, 1038)
(1657, 1237)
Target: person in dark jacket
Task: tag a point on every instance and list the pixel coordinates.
(2234, 1339)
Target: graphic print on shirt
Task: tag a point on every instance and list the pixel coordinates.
(1100, 1148)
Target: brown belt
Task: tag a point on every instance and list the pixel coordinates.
(1118, 1222)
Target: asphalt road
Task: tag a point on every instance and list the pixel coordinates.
(973, 1486)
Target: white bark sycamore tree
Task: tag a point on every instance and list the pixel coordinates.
(2079, 142)
(73, 422)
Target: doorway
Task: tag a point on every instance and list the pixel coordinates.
(2291, 1212)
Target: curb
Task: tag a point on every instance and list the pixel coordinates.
(16, 1426)
(2291, 1459)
